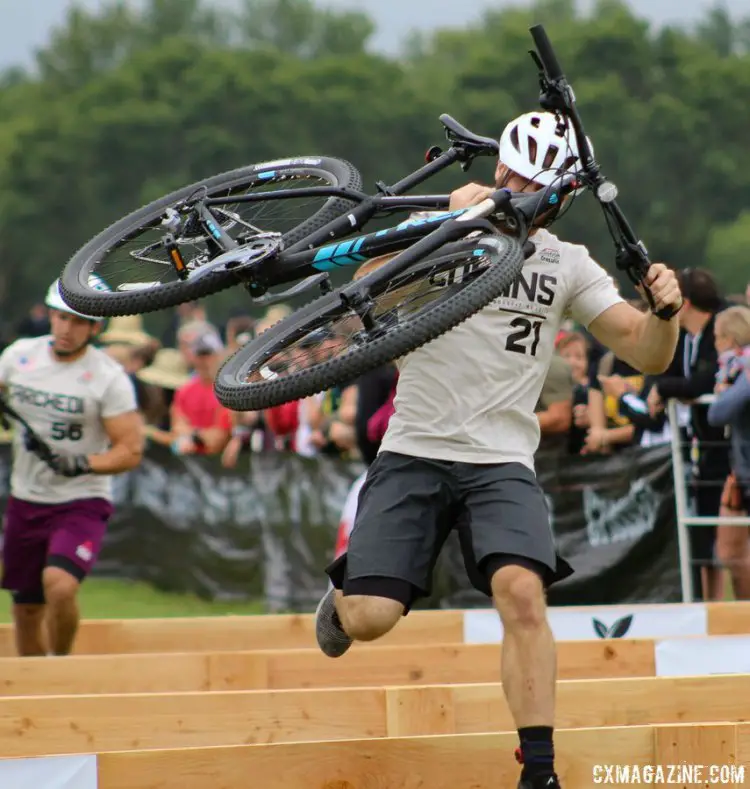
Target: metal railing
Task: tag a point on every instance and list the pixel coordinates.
(685, 520)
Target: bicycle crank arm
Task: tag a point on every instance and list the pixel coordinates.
(243, 260)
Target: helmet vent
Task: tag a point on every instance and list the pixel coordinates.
(514, 139)
(532, 149)
(550, 157)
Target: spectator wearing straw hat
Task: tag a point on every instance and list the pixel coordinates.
(159, 381)
(127, 330)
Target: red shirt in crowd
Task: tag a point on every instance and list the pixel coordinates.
(283, 421)
(196, 401)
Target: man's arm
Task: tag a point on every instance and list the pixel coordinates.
(635, 409)
(557, 396)
(213, 438)
(347, 410)
(556, 418)
(644, 341)
(126, 435)
(700, 381)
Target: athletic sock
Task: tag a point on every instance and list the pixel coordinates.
(537, 753)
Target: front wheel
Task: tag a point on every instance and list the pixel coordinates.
(326, 344)
(138, 267)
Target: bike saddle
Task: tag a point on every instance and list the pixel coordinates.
(482, 146)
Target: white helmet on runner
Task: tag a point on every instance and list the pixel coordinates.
(55, 300)
(540, 148)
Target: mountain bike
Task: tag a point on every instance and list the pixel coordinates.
(448, 265)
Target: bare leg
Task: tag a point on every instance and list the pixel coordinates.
(529, 666)
(28, 620)
(340, 620)
(712, 580)
(60, 590)
(365, 618)
(529, 660)
(733, 551)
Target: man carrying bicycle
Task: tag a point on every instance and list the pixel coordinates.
(81, 406)
(459, 448)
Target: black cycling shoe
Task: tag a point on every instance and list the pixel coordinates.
(539, 782)
(543, 782)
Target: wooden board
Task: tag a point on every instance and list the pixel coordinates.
(469, 761)
(297, 631)
(308, 668)
(39, 725)
(237, 633)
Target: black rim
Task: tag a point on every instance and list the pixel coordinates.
(140, 258)
(341, 331)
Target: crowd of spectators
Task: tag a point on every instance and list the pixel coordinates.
(174, 381)
(592, 404)
(595, 404)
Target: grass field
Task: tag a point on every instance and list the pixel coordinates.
(108, 599)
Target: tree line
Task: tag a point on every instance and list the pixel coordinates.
(125, 104)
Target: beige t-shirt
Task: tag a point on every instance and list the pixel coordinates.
(470, 395)
(558, 384)
(64, 403)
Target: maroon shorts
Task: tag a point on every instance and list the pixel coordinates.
(36, 536)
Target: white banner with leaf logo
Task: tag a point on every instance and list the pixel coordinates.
(609, 621)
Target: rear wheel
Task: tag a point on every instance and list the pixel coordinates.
(132, 260)
(326, 344)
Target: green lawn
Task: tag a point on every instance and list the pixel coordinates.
(107, 599)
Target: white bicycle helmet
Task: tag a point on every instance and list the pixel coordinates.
(539, 148)
(55, 300)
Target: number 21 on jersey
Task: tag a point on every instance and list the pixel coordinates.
(525, 337)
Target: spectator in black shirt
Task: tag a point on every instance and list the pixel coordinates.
(711, 456)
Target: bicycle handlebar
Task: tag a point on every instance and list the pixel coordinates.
(518, 209)
(557, 96)
(546, 53)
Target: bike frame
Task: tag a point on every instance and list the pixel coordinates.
(307, 260)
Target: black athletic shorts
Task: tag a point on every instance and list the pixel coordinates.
(408, 506)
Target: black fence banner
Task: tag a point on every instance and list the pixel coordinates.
(266, 529)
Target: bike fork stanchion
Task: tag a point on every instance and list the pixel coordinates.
(681, 504)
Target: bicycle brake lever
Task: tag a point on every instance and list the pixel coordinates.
(631, 259)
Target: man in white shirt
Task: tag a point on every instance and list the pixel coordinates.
(460, 446)
(81, 404)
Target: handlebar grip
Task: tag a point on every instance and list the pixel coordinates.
(546, 53)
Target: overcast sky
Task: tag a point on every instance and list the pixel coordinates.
(24, 24)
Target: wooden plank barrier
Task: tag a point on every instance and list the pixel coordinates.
(237, 633)
(297, 631)
(479, 761)
(306, 668)
(34, 726)
(729, 619)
